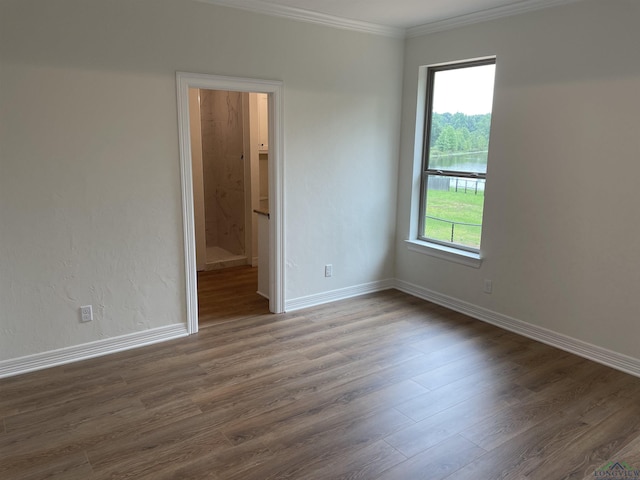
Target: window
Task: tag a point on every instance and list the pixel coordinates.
(456, 144)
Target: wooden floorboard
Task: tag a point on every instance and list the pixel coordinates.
(229, 294)
(382, 387)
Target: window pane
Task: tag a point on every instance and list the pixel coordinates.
(453, 210)
(472, 162)
(461, 118)
(460, 100)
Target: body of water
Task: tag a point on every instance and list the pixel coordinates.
(473, 162)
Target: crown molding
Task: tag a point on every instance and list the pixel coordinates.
(309, 17)
(484, 15)
(299, 14)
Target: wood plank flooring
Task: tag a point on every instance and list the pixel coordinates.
(229, 294)
(383, 386)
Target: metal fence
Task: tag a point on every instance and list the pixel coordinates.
(457, 184)
(453, 224)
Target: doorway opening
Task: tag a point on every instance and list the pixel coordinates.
(230, 174)
(230, 166)
(233, 233)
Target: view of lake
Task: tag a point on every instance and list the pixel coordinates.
(460, 161)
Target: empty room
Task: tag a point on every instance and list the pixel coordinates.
(448, 247)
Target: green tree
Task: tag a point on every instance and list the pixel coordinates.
(436, 129)
(447, 140)
(459, 132)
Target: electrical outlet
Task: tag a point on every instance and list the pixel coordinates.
(328, 270)
(86, 313)
(488, 286)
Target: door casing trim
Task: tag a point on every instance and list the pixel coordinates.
(274, 89)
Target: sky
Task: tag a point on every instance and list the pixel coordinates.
(464, 90)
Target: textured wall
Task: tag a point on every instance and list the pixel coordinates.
(90, 201)
(560, 224)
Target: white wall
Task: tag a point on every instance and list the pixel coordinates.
(90, 208)
(561, 227)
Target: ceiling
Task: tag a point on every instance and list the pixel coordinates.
(391, 17)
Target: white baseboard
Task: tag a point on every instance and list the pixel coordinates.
(586, 350)
(339, 294)
(98, 348)
(85, 351)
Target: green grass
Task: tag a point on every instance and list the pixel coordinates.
(455, 207)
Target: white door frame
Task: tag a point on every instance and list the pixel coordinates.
(184, 81)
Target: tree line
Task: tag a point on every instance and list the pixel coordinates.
(457, 132)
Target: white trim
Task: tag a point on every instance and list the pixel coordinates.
(39, 361)
(273, 88)
(188, 220)
(583, 349)
(339, 294)
(108, 346)
(484, 16)
(450, 254)
(277, 178)
(309, 16)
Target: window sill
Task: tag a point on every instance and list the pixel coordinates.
(450, 254)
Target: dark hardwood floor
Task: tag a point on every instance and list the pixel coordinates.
(229, 294)
(383, 386)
